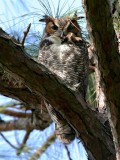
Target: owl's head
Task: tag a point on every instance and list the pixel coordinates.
(62, 26)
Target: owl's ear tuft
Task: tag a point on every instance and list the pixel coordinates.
(47, 19)
(76, 17)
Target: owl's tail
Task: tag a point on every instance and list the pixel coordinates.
(64, 132)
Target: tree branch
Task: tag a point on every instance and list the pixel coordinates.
(23, 144)
(25, 34)
(28, 132)
(16, 114)
(20, 124)
(24, 124)
(68, 152)
(8, 141)
(102, 34)
(41, 82)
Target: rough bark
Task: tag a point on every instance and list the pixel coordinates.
(42, 83)
(102, 34)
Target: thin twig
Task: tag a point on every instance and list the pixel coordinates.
(23, 144)
(26, 137)
(68, 152)
(25, 34)
(8, 141)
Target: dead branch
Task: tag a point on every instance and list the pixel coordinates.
(25, 34)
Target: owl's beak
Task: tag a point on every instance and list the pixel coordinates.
(64, 31)
(62, 34)
(59, 34)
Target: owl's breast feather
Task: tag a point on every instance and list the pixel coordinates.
(60, 50)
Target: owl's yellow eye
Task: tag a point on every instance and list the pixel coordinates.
(54, 27)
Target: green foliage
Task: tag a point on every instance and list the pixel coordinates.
(91, 92)
(116, 22)
(116, 17)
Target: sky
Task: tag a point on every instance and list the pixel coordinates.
(15, 17)
(16, 12)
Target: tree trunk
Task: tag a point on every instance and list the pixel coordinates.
(102, 34)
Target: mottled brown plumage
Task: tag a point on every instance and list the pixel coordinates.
(63, 51)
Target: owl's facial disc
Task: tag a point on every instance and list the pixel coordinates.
(61, 27)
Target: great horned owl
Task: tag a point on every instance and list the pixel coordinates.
(63, 51)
